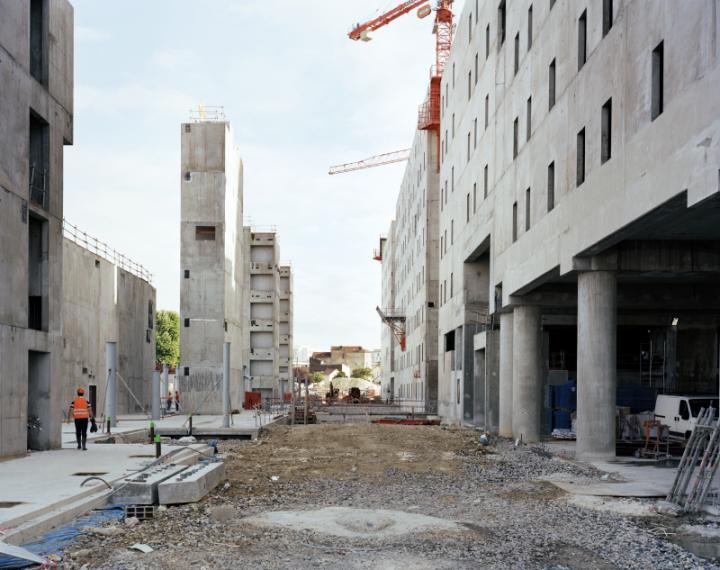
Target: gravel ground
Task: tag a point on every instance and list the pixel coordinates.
(506, 517)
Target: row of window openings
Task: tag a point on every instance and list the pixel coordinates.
(605, 155)
(657, 103)
(607, 15)
(582, 58)
(443, 289)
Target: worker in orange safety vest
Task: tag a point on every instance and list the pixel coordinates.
(81, 411)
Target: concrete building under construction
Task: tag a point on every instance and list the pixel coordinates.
(36, 122)
(233, 288)
(579, 212)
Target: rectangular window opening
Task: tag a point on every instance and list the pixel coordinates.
(580, 178)
(528, 119)
(551, 85)
(485, 181)
(186, 323)
(487, 110)
(658, 57)
(38, 40)
(514, 222)
(530, 27)
(502, 19)
(582, 40)
(606, 132)
(527, 209)
(39, 160)
(474, 197)
(607, 16)
(37, 273)
(515, 137)
(516, 64)
(487, 41)
(551, 186)
(187, 274)
(205, 233)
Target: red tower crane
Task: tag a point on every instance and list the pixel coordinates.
(429, 112)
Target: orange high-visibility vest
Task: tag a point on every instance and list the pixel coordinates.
(80, 408)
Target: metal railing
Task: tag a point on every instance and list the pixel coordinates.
(38, 186)
(208, 113)
(94, 245)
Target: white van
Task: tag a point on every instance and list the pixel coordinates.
(680, 413)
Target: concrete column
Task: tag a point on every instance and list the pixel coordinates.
(506, 374)
(155, 395)
(226, 385)
(596, 364)
(111, 390)
(166, 380)
(527, 374)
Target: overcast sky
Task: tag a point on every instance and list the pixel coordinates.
(300, 96)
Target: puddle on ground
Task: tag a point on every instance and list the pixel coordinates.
(698, 545)
(10, 504)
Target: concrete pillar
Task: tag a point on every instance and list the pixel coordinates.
(165, 380)
(155, 395)
(527, 374)
(596, 364)
(226, 386)
(506, 374)
(111, 390)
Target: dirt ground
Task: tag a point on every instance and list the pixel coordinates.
(376, 480)
(345, 452)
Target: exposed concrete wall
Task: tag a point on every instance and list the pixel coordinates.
(212, 266)
(102, 303)
(50, 99)
(410, 286)
(270, 315)
(509, 235)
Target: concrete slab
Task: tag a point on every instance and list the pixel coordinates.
(626, 476)
(192, 484)
(142, 488)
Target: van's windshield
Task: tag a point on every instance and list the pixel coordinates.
(697, 403)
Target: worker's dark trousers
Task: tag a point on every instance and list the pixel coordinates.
(81, 426)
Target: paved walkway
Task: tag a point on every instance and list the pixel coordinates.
(40, 480)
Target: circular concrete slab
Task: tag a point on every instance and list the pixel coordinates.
(354, 523)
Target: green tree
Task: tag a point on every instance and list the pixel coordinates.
(364, 373)
(167, 337)
(341, 374)
(317, 377)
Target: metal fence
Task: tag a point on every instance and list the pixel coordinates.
(94, 245)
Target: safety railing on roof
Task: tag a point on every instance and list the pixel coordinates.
(94, 245)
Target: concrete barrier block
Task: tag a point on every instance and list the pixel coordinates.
(142, 488)
(192, 484)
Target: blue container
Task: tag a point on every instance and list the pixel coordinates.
(561, 420)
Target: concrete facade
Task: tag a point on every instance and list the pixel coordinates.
(36, 121)
(409, 257)
(580, 137)
(578, 213)
(287, 351)
(270, 315)
(104, 301)
(212, 266)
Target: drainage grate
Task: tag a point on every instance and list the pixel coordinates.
(9, 504)
(89, 474)
(149, 456)
(141, 512)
